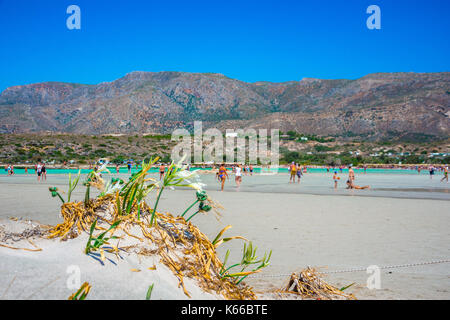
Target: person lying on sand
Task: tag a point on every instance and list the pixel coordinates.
(351, 185)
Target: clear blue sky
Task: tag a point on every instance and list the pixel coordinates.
(247, 40)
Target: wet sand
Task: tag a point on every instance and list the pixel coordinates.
(334, 230)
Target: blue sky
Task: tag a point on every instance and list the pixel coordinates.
(248, 40)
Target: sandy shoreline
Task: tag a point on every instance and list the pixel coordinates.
(333, 231)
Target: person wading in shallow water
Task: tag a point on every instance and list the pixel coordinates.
(299, 172)
(293, 170)
(238, 175)
(223, 175)
(351, 174)
(162, 170)
(39, 171)
(445, 174)
(44, 172)
(336, 179)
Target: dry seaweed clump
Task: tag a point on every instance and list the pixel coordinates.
(128, 224)
(309, 285)
(26, 231)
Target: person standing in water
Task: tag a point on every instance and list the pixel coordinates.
(431, 172)
(238, 175)
(44, 172)
(299, 173)
(351, 174)
(162, 171)
(38, 171)
(445, 174)
(223, 175)
(129, 164)
(336, 179)
(293, 170)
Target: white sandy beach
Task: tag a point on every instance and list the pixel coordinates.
(346, 230)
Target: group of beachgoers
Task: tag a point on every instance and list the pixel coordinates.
(9, 169)
(297, 170)
(39, 169)
(238, 169)
(432, 170)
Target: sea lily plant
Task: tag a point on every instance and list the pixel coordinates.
(177, 176)
(72, 185)
(249, 258)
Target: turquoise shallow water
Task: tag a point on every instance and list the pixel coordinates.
(382, 182)
(257, 170)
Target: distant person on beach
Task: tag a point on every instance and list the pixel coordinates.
(129, 165)
(223, 175)
(26, 170)
(162, 171)
(44, 172)
(39, 171)
(251, 170)
(445, 174)
(351, 174)
(299, 172)
(431, 172)
(293, 170)
(117, 168)
(336, 179)
(238, 175)
(351, 185)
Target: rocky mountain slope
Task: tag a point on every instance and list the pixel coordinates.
(380, 105)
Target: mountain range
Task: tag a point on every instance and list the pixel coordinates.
(376, 106)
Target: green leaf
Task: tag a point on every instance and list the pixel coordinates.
(149, 292)
(346, 287)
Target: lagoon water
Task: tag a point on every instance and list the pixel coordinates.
(392, 183)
